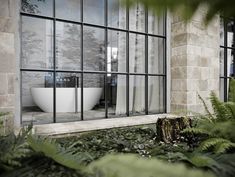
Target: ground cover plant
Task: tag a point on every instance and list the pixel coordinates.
(130, 151)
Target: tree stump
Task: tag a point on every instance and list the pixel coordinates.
(168, 129)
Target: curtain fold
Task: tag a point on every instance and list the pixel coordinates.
(137, 64)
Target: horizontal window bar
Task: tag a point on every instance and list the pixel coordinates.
(226, 47)
(91, 25)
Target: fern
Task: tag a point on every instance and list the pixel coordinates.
(64, 156)
(231, 93)
(220, 145)
(195, 130)
(13, 148)
(220, 110)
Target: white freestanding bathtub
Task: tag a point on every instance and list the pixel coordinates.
(65, 98)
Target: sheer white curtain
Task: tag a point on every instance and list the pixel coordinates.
(137, 64)
(156, 64)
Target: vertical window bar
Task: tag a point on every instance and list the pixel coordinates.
(54, 62)
(146, 61)
(106, 58)
(165, 63)
(225, 60)
(82, 75)
(127, 62)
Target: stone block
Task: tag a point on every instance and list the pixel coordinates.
(11, 83)
(3, 101)
(7, 53)
(193, 72)
(179, 40)
(179, 60)
(179, 73)
(7, 25)
(3, 84)
(5, 8)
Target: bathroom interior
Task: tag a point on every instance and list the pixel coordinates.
(51, 51)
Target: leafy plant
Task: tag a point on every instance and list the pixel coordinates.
(64, 156)
(134, 166)
(13, 148)
(217, 126)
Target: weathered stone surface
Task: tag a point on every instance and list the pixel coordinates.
(11, 83)
(4, 8)
(3, 84)
(194, 61)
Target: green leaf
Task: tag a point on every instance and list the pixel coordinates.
(64, 156)
(133, 166)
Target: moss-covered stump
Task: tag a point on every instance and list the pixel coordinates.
(168, 129)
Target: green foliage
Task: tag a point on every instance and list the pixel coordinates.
(218, 126)
(138, 140)
(64, 156)
(134, 166)
(220, 145)
(187, 8)
(13, 148)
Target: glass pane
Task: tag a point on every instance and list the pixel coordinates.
(37, 7)
(137, 18)
(116, 94)
(68, 44)
(116, 58)
(37, 43)
(156, 57)
(68, 9)
(230, 37)
(37, 98)
(94, 11)
(93, 96)
(222, 31)
(156, 24)
(68, 97)
(230, 62)
(222, 89)
(136, 94)
(116, 14)
(94, 49)
(156, 94)
(137, 53)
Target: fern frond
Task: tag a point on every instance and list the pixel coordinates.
(220, 145)
(13, 148)
(231, 93)
(196, 131)
(220, 110)
(211, 117)
(224, 147)
(231, 106)
(64, 156)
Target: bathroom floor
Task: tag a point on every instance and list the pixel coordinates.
(45, 118)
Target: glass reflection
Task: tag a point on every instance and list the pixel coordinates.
(37, 43)
(44, 8)
(68, 43)
(68, 9)
(93, 11)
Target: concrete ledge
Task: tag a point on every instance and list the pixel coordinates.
(84, 126)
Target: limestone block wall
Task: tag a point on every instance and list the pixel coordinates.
(194, 61)
(8, 27)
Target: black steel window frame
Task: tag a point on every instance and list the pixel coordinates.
(82, 71)
(225, 47)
